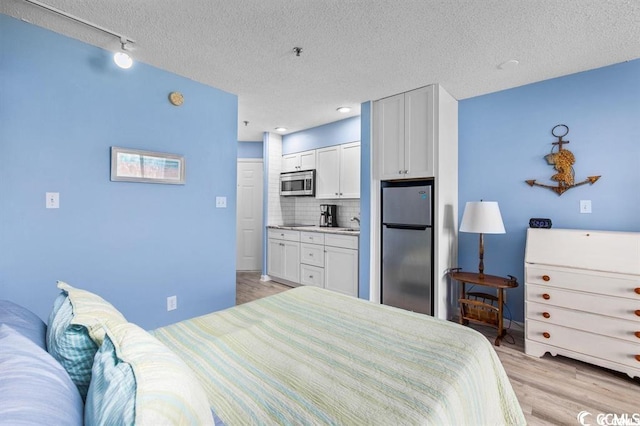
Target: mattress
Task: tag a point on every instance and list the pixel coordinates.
(312, 356)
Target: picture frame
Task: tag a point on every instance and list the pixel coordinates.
(135, 165)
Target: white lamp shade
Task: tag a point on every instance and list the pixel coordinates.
(122, 60)
(482, 217)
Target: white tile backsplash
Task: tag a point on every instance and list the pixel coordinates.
(307, 211)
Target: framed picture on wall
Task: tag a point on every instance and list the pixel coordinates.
(134, 165)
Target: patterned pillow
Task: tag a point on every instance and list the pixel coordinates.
(76, 331)
(34, 388)
(23, 321)
(138, 380)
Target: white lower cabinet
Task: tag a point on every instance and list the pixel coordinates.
(341, 270)
(324, 260)
(284, 255)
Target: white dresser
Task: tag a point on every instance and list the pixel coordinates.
(583, 296)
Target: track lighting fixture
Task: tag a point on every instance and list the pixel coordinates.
(122, 58)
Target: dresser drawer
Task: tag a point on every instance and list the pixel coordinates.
(606, 326)
(627, 309)
(284, 234)
(312, 254)
(312, 237)
(602, 347)
(581, 280)
(311, 275)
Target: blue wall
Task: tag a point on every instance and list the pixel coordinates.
(336, 133)
(503, 138)
(63, 105)
(250, 149)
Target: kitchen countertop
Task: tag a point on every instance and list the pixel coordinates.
(326, 230)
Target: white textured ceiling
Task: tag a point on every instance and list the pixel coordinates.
(353, 50)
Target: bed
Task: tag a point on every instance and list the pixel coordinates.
(312, 356)
(304, 356)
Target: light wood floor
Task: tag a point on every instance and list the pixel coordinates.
(551, 390)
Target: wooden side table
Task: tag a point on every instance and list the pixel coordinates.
(483, 308)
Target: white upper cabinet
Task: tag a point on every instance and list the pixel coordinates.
(404, 135)
(299, 161)
(338, 171)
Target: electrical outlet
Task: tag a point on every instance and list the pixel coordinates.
(172, 303)
(221, 202)
(585, 206)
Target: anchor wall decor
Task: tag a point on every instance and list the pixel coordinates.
(562, 160)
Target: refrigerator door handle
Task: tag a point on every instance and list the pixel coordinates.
(403, 226)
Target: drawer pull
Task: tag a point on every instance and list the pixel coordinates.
(546, 296)
(546, 278)
(310, 254)
(638, 358)
(546, 315)
(637, 333)
(637, 290)
(638, 312)
(546, 335)
(311, 276)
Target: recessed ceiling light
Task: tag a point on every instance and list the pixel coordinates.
(511, 63)
(281, 129)
(343, 109)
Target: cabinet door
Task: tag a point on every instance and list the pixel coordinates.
(308, 160)
(350, 170)
(291, 264)
(328, 172)
(388, 137)
(341, 270)
(275, 255)
(290, 163)
(419, 133)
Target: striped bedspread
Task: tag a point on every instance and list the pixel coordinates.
(312, 356)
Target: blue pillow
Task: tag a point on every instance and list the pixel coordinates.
(34, 388)
(24, 322)
(76, 331)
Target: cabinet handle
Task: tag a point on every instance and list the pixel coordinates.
(546, 278)
(637, 290)
(637, 312)
(546, 335)
(341, 193)
(545, 296)
(637, 333)
(638, 358)
(399, 172)
(282, 244)
(336, 193)
(310, 254)
(311, 276)
(546, 315)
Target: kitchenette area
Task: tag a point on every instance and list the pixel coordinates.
(314, 217)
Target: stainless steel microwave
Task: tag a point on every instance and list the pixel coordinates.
(298, 183)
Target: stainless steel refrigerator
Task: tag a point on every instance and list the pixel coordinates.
(407, 248)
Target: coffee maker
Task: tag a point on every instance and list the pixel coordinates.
(328, 215)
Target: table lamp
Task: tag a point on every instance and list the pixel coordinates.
(482, 217)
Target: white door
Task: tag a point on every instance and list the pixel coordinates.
(249, 216)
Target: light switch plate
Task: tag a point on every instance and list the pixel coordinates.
(585, 206)
(221, 202)
(52, 200)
